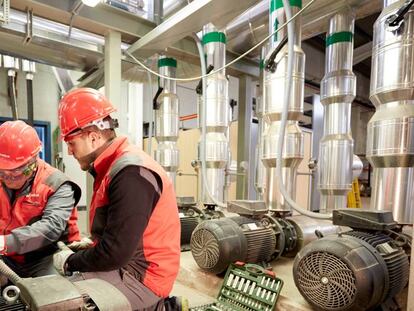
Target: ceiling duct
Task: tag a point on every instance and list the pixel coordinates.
(252, 26)
(49, 42)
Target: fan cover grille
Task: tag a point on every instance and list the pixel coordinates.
(326, 281)
(205, 248)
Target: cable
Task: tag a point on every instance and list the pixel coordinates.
(288, 88)
(228, 64)
(151, 117)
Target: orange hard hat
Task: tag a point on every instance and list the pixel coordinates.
(19, 143)
(80, 107)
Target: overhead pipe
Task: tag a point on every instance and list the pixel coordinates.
(12, 65)
(167, 119)
(29, 68)
(214, 151)
(338, 90)
(275, 89)
(390, 146)
(251, 26)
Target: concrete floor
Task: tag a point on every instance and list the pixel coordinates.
(202, 288)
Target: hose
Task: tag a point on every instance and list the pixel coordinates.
(9, 273)
(203, 123)
(291, 51)
(151, 117)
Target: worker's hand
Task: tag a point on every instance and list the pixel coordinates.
(60, 258)
(82, 244)
(3, 247)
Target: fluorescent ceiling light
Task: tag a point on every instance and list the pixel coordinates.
(91, 3)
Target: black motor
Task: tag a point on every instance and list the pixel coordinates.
(190, 217)
(356, 270)
(254, 237)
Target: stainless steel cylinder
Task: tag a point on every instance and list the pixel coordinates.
(357, 167)
(275, 84)
(338, 89)
(305, 230)
(400, 194)
(277, 17)
(217, 117)
(167, 119)
(390, 146)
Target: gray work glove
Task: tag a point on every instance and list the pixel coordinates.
(82, 244)
(60, 258)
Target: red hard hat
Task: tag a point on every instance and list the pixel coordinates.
(80, 107)
(19, 143)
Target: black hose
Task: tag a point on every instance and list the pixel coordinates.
(155, 103)
(199, 88)
(396, 18)
(270, 64)
(30, 115)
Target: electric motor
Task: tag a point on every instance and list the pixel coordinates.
(216, 243)
(354, 271)
(189, 220)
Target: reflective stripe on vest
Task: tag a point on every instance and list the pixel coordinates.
(26, 207)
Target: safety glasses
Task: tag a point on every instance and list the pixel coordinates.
(18, 173)
(77, 133)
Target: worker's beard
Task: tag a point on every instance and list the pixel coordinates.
(86, 162)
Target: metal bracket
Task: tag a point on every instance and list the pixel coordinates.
(5, 12)
(29, 27)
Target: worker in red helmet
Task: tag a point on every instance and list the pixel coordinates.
(37, 203)
(133, 216)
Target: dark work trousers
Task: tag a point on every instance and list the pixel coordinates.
(139, 296)
(35, 268)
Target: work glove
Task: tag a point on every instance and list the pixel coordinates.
(60, 258)
(82, 244)
(3, 246)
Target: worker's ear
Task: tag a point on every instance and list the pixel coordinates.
(95, 137)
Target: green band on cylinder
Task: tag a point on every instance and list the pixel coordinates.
(170, 62)
(261, 64)
(337, 37)
(214, 37)
(277, 4)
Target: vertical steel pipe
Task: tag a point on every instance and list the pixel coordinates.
(167, 119)
(338, 89)
(217, 117)
(29, 68)
(390, 146)
(275, 86)
(260, 174)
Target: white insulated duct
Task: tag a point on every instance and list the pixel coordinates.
(390, 146)
(217, 118)
(167, 119)
(338, 89)
(274, 90)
